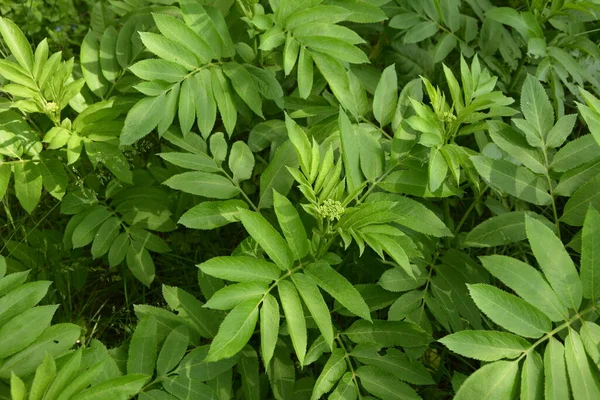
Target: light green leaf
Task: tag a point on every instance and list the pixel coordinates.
(386, 96)
(17, 388)
(532, 377)
(528, 283)
(294, 316)
(331, 374)
(537, 109)
(212, 214)
(232, 295)
(203, 184)
(140, 263)
(394, 362)
(346, 389)
(350, 152)
(222, 93)
(195, 161)
(590, 255)
(486, 345)
(517, 181)
(492, 381)
(157, 69)
(248, 369)
(387, 333)
(90, 64)
(555, 262)
(316, 305)
(269, 328)
(108, 61)
(241, 161)
(112, 158)
(582, 375)
(142, 348)
(5, 172)
(176, 30)
(337, 286)
(561, 131)
(556, 385)
(189, 309)
(121, 388)
(170, 50)
(305, 72)
(24, 329)
(291, 226)
(438, 169)
(510, 311)
(385, 386)
(235, 331)
(244, 86)
(577, 206)
(420, 32)
(501, 229)
(268, 238)
(335, 47)
(142, 119)
(290, 53)
(206, 106)
(54, 177)
(66, 375)
(397, 280)
(28, 185)
(44, 376)
(17, 43)
(172, 350)
(240, 269)
(575, 153)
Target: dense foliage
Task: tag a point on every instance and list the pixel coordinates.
(284, 199)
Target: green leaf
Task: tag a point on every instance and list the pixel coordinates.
(206, 106)
(122, 388)
(196, 365)
(17, 388)
(28, 185)
(438, 169)
(350, 152)
(305, 72)
(189, 309)
(24, 329)
(269, 328)
(244, 86)
(537, 109)
(517, 181)
(316, 305)
(108, 61)
(118, 249)
(387, 333)
(112, 158)
(85, 232)
(394, 362)
(586, 196)
(157, 69)
(282, 374)
(290, 53)
(55, 340)
(492, 381)
(235, 331)
(66, 375)
(232, 295)
(582, 375)
(203, 184)
(54, 177)
(248, 369)
(142, 349)
(197, 161)
(501, 229)
(170, 50)
(332, 372)
(172, 350)
(241, 161)
(486, 345)
(338, 287)
(386, 96)
(276, 176)
(555, 371)
(383, 385)
(268, 238)
(397, 280)
(224, 98)
(241, 269)
(590, 255)
(555, 262)
(5, 172)
(140, 263)
(420, 32)
(513, 143)
(17, 43)
(90, 64)
(575, 153)
(335, 47)
(532, 377)
(291, 226)
(174, 29)
(142, 119)
(294, 316)
(561, 131)
(44, 376)
(528, 283)
(212, 214)
(510, 311)
(184, 387)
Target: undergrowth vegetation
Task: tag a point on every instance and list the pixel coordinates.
(284, 199)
